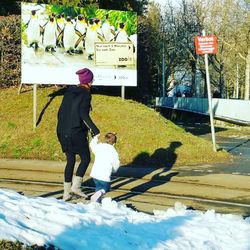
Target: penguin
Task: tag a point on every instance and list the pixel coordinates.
(121, 35)
(107, 30)
(100, 36)
(133, 39)
(69, 36)
(33, 30)
(60, 24)
(80, 29)
(49, 37)
(90, 39)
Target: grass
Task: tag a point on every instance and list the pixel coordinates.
(144, 136)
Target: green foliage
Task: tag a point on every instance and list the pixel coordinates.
(24, 35)
(17, 245)
(115, 17)
(139, 6)
(9, 7)
(10, 51)
(10, 245)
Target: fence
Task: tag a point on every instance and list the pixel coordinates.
(227, 109)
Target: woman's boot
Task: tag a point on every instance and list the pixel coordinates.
(67, 189)
(76, 186)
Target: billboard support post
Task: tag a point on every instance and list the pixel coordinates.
(20, 88)
(209, 100)
(34, 104)
(123, 92)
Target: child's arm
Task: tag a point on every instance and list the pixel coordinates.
(115, 163)
(94, 143)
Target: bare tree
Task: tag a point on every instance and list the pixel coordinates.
(230, 21)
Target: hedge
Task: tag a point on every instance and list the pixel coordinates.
(10, 50)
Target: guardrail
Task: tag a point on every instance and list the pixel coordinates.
(237, 111)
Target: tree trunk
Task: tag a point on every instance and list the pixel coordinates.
(247, 76)
(198, 77)
(222, 81)
(193, 72)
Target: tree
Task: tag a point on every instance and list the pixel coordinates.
(180, 25)
(230, 21)
(9, 7)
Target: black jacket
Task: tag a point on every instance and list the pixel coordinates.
(74, 120)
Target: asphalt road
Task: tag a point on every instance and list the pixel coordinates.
(237, 144)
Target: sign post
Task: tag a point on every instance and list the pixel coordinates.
(207, 45)
(34, 105)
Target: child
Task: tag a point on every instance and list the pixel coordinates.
(106, 162)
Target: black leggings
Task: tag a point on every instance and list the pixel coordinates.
(71, 160)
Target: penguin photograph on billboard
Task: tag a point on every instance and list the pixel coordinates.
(58, 40)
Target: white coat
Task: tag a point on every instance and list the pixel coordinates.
(106, 160)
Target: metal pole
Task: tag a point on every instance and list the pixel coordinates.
(19, 89)
(123, 92)
(163, 70)
(209, 100)
(34, 105)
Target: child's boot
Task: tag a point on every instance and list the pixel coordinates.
(97, 196)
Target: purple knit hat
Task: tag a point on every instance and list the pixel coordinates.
(85, 76)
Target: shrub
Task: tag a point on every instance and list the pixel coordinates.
(10, 50)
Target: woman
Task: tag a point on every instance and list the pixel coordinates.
(73, 125)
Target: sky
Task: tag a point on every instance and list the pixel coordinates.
(163, 2)
(112, 225)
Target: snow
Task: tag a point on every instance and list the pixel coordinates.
(112, 225)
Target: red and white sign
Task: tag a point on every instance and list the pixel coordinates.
(205, 45)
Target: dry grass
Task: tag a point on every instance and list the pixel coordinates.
(144, 136)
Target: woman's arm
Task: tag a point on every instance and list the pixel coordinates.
(84, 114)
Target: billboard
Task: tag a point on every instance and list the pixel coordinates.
(59, 40)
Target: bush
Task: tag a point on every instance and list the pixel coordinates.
(10, 50)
